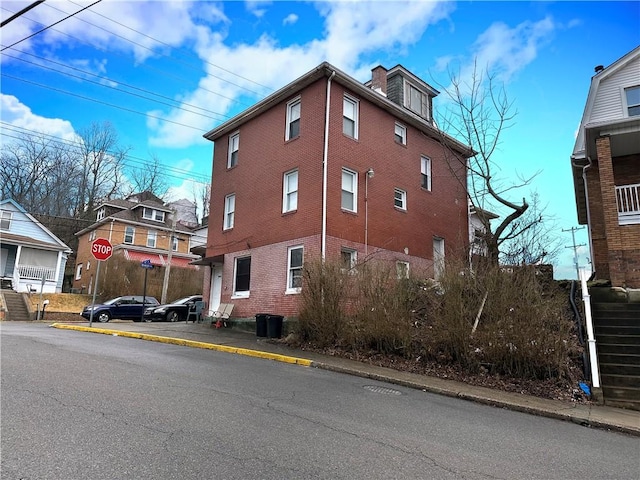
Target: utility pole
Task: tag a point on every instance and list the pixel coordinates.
(165, 283)
(575, 247)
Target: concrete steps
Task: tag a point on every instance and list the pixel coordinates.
(16, 307)
(617, 331)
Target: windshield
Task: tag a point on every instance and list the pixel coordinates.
(182, 301)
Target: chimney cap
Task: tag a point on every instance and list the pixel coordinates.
(599, 68)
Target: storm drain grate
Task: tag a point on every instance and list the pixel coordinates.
(383, 390)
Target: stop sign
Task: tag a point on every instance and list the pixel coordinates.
(101, 249)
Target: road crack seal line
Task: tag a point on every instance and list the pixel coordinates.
(190, 343)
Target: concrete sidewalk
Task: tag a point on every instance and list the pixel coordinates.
(240, 342)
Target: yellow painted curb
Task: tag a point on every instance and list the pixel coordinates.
(189, 343)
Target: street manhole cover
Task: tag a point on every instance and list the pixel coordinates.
(382, 390)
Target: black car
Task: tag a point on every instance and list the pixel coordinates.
(128, 307)
(172, 312)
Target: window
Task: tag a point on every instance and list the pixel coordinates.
(129, 234)
(92, 235)
(401, 134)
(234, 145)
(242, 277)
(100, 214)
(290, 192)
(350, 117)
(152, 235)
(294, 269)
(78, 271)
(425, 173)
(152, 214)
(438, 257)
(174, 243)
(349, 190)
(415, 100)
(293, 119)
(5, 220)
(402, 269)
(400, 199)
(229, 211)
(88, 265)
(632, 96)
(349, 258)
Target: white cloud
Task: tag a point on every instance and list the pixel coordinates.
(257, 7)
(290, 19)
(19, 115)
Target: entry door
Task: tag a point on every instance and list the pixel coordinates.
(216, 287)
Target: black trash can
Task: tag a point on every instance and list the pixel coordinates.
(261, 324)
(274, 326)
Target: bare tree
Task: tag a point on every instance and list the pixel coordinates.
(150, 177)
(202, 196)
(101, 161)
(479, 112)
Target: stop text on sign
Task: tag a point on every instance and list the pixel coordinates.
(101, 249)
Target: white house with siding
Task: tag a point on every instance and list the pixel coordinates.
(31, 257)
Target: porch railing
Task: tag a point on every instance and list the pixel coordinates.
(36, 273)
(628, 200)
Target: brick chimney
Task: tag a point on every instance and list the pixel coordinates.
(379, 79)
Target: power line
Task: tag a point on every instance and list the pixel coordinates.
(21, 12)
(48, 27)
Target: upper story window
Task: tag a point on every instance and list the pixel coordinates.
(401, 134)
(290, 192)
(400, 199)
(174, 243)
(350, 117)
(425, 173)
(5, 219)
(294, 269)
(93, 235)
(153, 214)
(415, 100)
(129, 234)
(632, 96)
(349, 190)
(293, 119)
(100, 214)
(234, 146)
(229, 211)
(242, 277)
(152, 236)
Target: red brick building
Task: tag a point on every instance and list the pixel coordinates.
(333, 168)
(606, 171)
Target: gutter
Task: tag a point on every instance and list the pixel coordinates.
(325, 157)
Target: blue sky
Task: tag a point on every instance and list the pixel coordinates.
(201, 62)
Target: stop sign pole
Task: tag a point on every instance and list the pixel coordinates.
(101, 250)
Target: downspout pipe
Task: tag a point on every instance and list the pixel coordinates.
(325, 157)
(586, 200)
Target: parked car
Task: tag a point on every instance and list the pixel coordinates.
(172, 312)
(128, 307)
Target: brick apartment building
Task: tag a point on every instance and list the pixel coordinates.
(333, 168)
(606, 171)
(140, 228)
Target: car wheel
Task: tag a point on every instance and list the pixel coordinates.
(173, 317)
(104, 317)
(148, 319)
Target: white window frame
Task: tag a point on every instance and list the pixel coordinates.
(152, 238)
(423, 111)
(78, 271)
(174, 243)
(400, 131)
(293, 269)
(133, 235)
(291, 117)
(289, 191)
(348, 100)
(88, 265)
(353, 258)
(240, 293)
(100, 214)
(625, 101)
(400, 195)
(92, 235)
(234, 147)
(425, 170)
(354, 193)
(229, 211)
(6, 217)
(402, 269)
(152, 214)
